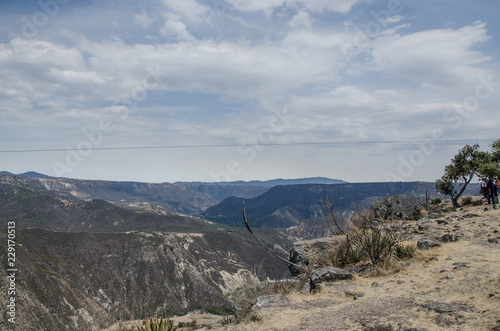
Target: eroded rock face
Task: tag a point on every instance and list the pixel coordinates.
(86, 281)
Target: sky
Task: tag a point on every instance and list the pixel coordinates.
(206, 90)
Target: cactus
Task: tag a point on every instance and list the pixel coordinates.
(155, 324)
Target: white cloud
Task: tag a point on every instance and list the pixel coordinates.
(267, 6)
(219, 71)
(301, 19)
(313, 6)
(318, 6)
(191, 10)
(432, 57)
(143, 19)
(175, 27)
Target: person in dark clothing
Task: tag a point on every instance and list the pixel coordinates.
(492, 193)
(484, 190)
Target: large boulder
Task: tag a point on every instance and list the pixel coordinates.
(426, 243)
(304, 252)
(328, 274)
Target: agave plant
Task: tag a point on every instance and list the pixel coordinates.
(155, 324)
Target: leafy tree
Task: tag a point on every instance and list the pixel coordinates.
(495, 146)
(489, 167)
(459, 173)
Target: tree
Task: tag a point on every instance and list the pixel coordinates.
(495, 146)
(489, 167)
(459, 173)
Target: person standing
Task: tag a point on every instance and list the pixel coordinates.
(484, 190)
(492, 193)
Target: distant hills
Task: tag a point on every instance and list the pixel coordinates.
(29, 174)
(289, 205)
(278, 203)
(251, 189)
(184, 197)
(272, 182)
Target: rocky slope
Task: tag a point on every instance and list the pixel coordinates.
(83, 265)
(177, 197)
(451, 287)
(87, 281)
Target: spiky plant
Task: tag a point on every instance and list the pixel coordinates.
(156, 324)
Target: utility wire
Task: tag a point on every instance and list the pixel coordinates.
(245, 144)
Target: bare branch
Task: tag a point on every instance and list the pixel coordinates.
(253, 235)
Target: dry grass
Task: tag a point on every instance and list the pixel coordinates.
(466, 272)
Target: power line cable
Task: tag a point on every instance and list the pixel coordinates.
(246, 144)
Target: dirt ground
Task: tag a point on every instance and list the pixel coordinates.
(452, 287)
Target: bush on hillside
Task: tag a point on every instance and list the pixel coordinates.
(157, 324)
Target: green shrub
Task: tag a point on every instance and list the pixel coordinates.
(375, 238)
(155, 324)
(346, 254)
(436, 201)
(467, 201)
(404, 252)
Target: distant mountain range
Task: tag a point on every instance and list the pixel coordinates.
(184, 197)
(272, 182)
(285, 206)
(250, 189)
(29, 174)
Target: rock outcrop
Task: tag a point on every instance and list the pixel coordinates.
(306, 251)
(426, 243)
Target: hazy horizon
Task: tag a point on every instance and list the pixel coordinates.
(197, 90)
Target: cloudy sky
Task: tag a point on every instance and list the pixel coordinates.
(209, 90)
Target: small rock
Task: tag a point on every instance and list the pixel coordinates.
(449, 237)
(426, 243)
(493, 240)
(460, 265)
(442, 222)
(376, 284)
(425, 227)
(269, 300)
(471, 215)
(445, 307)
(433, 258)
(354, 294)
(306, 288)
(360, 269)
(400, 282)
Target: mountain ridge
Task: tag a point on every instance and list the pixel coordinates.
(303, 201)
(272, 182)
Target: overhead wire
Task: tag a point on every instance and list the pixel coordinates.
(246, 144)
